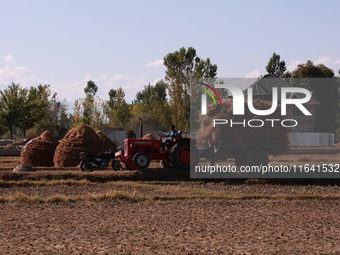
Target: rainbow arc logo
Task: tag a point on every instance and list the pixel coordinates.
(209, 93)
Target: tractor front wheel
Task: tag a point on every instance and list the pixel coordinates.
(141, 160)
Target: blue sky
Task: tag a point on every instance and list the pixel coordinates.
(122, 43)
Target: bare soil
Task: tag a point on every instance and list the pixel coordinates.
(241, 227)
(159, 214)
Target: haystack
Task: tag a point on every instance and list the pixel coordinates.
(242, 135)
(106, 141)
(148, 136)
(40, 150)
(79, 139)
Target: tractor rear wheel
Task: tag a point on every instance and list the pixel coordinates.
(181, 156)
(141, 160)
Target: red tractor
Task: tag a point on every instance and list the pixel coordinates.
(138, 153)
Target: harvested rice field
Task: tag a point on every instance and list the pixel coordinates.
(65, 211)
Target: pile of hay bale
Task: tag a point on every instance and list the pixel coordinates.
(40, 150)
(148, 136)
(45, 150)
(79, 139)
(238, 134)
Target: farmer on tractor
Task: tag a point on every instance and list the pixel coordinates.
(172, 135)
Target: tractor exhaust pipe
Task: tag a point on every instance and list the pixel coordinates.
(141, 128)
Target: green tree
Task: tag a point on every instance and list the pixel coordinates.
(91, 88)
(34, 107)
(90, 91)
(144, 97)
(309, 70)
(12, 102)
(204, 69)
(324, 91)
(89, 112)
(2, 127)
(98, 116)
(112, 99)
(276, 66)
(117, 110)
(56, 119)
(152, 106)
(160, 90)
(149, 93)
(182, 66)
(77, 111)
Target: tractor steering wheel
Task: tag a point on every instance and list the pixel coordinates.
(161, 135)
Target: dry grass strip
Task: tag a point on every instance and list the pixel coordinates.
(112, 195)
(133, 197)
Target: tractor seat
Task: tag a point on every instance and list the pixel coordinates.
(179, 134)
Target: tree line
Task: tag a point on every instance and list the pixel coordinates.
(30, 111)
(327, 115)
(33, 110)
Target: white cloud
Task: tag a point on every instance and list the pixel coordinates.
(75, 90)
(69, 90)
(293, 65)
(10, 59)
(253, 74)
(156, 63)
(130, 85)
(12, 72)
(326, 60)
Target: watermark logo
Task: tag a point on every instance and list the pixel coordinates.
(204, 96)
(237, 123)
(239, 99)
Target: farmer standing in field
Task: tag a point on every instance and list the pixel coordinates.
(172, 135)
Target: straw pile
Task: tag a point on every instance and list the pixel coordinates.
(148, 136)
(239, 134)
(40, 150)
(79, 139)
(107, 144)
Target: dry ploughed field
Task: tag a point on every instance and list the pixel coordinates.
(66, 211)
